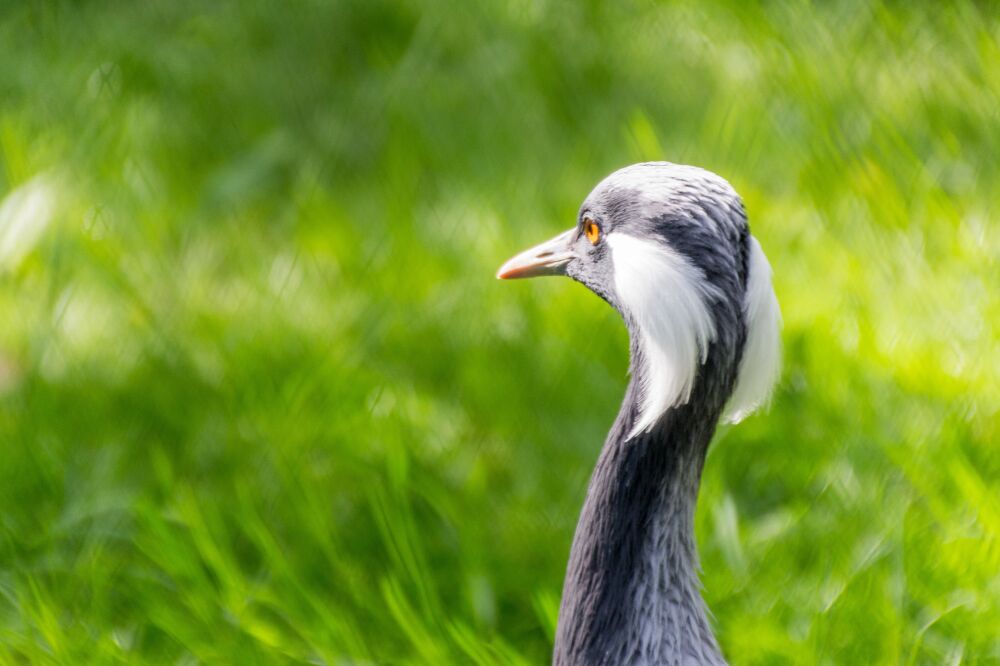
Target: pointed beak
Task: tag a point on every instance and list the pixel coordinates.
(548, 258)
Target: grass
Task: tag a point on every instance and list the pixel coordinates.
(262, 401)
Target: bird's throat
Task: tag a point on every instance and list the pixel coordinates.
(631, 594)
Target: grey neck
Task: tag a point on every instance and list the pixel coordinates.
(631, 594)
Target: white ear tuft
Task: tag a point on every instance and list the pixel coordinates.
(667, 297)
(761, 363)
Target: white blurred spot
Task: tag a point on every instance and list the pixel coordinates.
(106, 80)
(381, 402)
(285, 274)
(24, 215)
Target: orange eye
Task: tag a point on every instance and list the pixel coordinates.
(591, 231)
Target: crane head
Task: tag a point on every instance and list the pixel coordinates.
(669, 247)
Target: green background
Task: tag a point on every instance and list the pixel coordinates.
(263, 401)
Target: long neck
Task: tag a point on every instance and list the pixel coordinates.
(631, 594)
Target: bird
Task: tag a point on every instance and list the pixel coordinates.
(669, 247)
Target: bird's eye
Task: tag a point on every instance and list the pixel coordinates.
(591, 230)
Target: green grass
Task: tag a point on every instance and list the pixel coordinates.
(262, 401)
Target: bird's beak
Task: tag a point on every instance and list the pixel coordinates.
(548, 258)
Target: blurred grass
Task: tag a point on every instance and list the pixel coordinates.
(262, 401)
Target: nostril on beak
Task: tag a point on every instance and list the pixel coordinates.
(548, 258)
